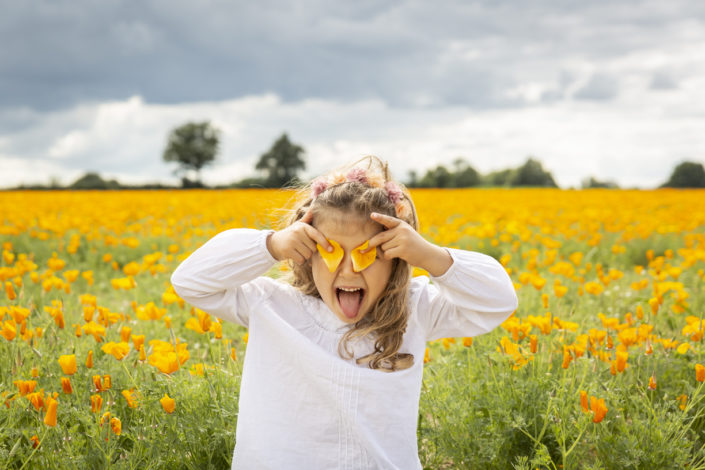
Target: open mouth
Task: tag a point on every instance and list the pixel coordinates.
(350, 300)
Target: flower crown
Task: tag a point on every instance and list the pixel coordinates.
(374, 180)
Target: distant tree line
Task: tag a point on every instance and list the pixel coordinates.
(195, 145)
(462, 175)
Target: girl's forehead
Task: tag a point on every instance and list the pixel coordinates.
(338, 225)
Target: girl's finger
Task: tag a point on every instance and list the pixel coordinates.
(302, 254)
(305, 240)
(381, 237)
(391, 245)
(318, 237)
(297, 258)
(387, 221)
(391, 253)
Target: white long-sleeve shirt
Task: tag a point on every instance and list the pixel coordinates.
(301, 405)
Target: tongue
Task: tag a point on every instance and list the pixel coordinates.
(349, 302)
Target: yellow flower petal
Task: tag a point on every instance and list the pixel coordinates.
(363, 260)
(333, 258)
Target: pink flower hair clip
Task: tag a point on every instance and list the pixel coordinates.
(318, 186)
(359, 175)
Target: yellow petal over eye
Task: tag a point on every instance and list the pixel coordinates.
(333, 258)
(363, 260)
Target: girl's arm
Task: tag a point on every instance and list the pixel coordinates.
(219, 277)
(472, 293)
(473, 297)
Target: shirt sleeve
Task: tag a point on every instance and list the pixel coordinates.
(222, 276)
(473, 297)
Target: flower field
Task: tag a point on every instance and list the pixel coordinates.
(601, 366)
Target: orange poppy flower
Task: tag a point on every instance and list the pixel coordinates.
(584, 401)
(598, 408)
(96, 403)
(25, 386)
(116, 426)
(50, 417)
(699, 372)
(66, 385)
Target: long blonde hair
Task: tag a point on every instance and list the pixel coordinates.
(362, 188)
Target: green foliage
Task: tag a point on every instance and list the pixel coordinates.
(687, 175)
(467, 177)
(193, 146)
(592, 183)
(249, 183)
(282, 162)
(93, 180)
(531, 173)
(499, 177)
(479, 413)
(438, 177)
(463, 176)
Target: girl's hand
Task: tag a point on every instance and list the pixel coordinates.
(297, 242)
(400, 240)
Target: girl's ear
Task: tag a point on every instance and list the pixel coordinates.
(308, 216)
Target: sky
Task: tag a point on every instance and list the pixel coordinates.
(609, 89)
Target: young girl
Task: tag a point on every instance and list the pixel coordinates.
(334, 362)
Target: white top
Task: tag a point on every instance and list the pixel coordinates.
(302, 405)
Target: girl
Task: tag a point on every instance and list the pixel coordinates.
(332, 374)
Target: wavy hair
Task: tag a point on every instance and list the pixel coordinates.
(387, 319)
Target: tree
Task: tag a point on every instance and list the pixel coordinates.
(282, 162)
(193, 146)
(438, 177)
(464, 175)
(532, 173)
(687, 175)
(591, 183)
(93, 180)
(499, 177)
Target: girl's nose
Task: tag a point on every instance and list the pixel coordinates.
(346, 265)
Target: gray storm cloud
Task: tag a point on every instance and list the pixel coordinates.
(97, 85)
(406, 53)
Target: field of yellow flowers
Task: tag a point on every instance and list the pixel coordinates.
(601, 366)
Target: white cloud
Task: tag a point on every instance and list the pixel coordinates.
(636, 141)
(69, 144)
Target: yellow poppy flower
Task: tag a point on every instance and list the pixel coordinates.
(68, 364)
(168, 403)
(117, 350)
(131, 397)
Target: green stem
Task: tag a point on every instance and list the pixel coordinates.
(128, 374)
(577, 439)
(41, 441)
